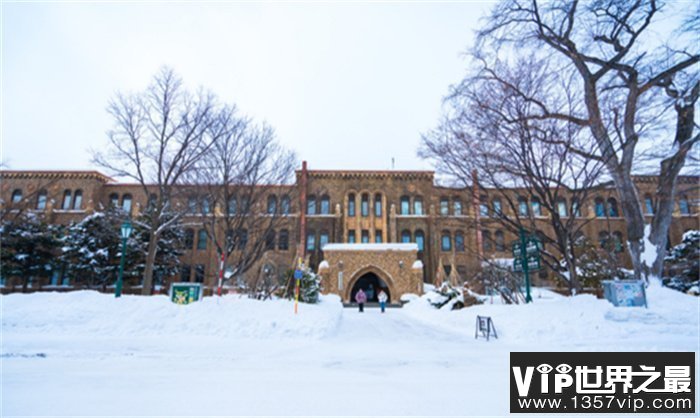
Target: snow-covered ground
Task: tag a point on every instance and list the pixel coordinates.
(85, 353)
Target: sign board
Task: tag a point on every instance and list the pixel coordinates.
(485, 327)
(185, 293)
(298, 274)
(625, 292)
(532, 247)
(533, 263)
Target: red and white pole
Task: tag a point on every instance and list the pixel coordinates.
(221, 274)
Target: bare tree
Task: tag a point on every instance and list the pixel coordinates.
(244, 175)
(487, 132)
(624, 76)
(158, 137)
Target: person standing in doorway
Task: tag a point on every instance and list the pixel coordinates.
(382, 299)
(370, 293)
(361, 298)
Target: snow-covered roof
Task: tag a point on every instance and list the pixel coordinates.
(372, 247)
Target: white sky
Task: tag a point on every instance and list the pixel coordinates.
(345, 85)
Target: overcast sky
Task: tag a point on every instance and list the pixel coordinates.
(345, 85)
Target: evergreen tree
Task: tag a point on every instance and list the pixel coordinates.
(683, 264)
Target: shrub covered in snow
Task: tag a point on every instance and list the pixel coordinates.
(683, 265)
(309, 289)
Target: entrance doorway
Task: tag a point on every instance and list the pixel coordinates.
(372, 285)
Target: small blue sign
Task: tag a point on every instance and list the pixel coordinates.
(298, 274)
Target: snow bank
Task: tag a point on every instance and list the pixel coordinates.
(88, 313)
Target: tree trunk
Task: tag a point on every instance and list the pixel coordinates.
(632, 212)
(150, 262)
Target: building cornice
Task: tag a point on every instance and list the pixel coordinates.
(56, 175)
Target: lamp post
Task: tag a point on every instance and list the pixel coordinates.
(125, 232)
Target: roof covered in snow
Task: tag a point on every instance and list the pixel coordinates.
(372, 247)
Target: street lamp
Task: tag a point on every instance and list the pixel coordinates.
(126, 231)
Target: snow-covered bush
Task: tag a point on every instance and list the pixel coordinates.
(683, 265)
(309, 286)
(446, 296)
(595, 264)
(497, 278)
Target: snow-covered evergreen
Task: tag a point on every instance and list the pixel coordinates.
(683, 264)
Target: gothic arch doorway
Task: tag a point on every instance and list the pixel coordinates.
(371, 283)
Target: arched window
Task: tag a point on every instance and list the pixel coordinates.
(66, 200)
(78, 200)
(603, 239)
(612, 208)
(16, 196)
(599, 207)
(444, 206)
(405, 236)
(561, 208)
(405, 205)
(459, 241)
(364, 205)
(202, 239)
(446, 241)
(499, 239)
(418, 205)
(377, 205)
(497, 209)
(232, 208)
(270, 240)
(325, 205)
(536, 206)
(483, 206)
(351, 204)
(283, 241)
(522, 206)
(457, 207)
(617, 241)
(114, 200)
(271, 204)
(323, 239)
(486, 241)
(189, 238)
(192, 204)
(420, 240)
(311, 240)
(311, 205)
(684, 206)
(206, 206)
(648, 204)
(285, 205)
(126, 203)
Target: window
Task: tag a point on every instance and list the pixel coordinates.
(245, 204)
(283, 241)
(199, 273)
(377, 205)
(483, 207)
(599, 207)
(17, 196)
(684, 206)
(364, 236)
(405, 236)
(420, 240)
(271, 205)
(242, 238)
(185, 273)
(66, 200)
(323, 239)
(114, 200)
(189, 238)
(649, 205)
(536, 206)
(325, 205)
(202, 239)
(351, 204)
(206, 206)
(522, 207)
(232, 206)
(405, 205)
(126, 203)
(364, 205)
(457, 207)
(561, 208)
(41, 200)
(311, 240)
(496, 203)
(612, 208)
(459, 241)
(444, 206)
(486, 241)
(603, 239)
(418, 206)
(378, 236)
(351, 236)
(311, 205)
(192, 204)
(500, 241)
(285, 205)
(576, 208)
(270, 240)
(617, 241)
(446, 241)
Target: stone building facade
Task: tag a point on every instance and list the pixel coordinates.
(451, 228)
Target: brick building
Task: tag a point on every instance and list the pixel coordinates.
(451, 228)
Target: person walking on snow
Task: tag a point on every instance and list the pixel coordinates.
(382, 299)
(361, 298)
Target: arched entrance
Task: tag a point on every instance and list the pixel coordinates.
(371, 284)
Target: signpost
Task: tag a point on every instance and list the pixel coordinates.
(298, 274)
(526, 258)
